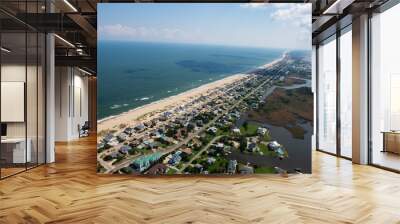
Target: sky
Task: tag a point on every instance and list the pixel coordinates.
(266, 25)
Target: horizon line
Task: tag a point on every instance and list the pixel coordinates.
(207, 44)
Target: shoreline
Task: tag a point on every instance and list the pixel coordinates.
(136, 115)
(166, 98)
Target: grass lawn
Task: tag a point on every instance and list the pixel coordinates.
(179, 165)
(221, 132)
(266, 137)
(126, 170)
(264, 170)
(218, 166)
(265, 151)
(171, 171)
(251, 129)
(208, 138)
(143, 151)
(118, 159)
(161, 145)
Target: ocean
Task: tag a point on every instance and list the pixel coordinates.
(132, 74)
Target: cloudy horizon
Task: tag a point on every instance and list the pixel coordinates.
(267, 25)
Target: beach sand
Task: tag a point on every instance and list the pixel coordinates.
(149, 111)
(152, 110)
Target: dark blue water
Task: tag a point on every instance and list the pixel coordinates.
(132, 74)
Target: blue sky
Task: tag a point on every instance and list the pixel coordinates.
(253, 24)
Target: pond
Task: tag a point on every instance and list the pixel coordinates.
(299, 150)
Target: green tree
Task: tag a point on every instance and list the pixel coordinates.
(171, 132)
(245, 125)
(243, 143)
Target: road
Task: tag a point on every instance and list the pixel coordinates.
(128, 161)
(200, 152)
(103, 163)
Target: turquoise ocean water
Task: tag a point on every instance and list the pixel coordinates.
(132, 74)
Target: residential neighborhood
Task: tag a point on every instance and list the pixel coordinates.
(201, 136)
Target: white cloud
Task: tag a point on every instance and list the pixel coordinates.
(253, 5)
(292, 25)
(141, 33)
(297, 14)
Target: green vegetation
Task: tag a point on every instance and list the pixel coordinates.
(100, 168)
(107, 158)
(206, 138)
(219, 166)
(132, 151)
(171, 132)
(222, 132)
(191, 169)
(264, 170)
(143, 150)
(266, 137)
(126, 170)
(284, 108)
(179, 165)
(161, 144)
(290, 81)
(245, 125)
(243, 143)
(171, 171)
(205, 117)
(265, 151)
(225, 129)
(251, 129)
(118, 159)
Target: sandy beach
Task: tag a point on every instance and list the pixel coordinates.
(276, 61)
(151, 110)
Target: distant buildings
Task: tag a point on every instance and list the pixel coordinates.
(150, 144)
(219, 146)
(110, 140)
(169, 128)
(277, 148)
(139, 127)
(124, 149)
(129, 131)
(122, 137)
(235, 144)
(175, 158)
(144, 162)
(232, 166)
(244, 169)
(187, 150)
(273, 145)
(212, 130)
(236, 130)
(159, 168)
(252, 147)
(261, 131)
(199, 123)
(108, 137)
(115, 155)
(211, 160)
